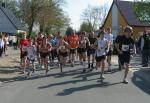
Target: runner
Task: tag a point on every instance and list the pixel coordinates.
(91, 50)
(73, 42)
(45, 48)
(119, 56)
(39, 40)
(101, 45)
(54, 43)
(109, 37)
(82, 49)
(24, 42)
(31, 52)
(63, 50)
(123, 48)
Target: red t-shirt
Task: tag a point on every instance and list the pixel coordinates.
(24, 43)
(73, 41)
(39, 41)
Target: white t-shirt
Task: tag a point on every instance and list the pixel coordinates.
(1, 43)
(109, 38)
(14, 39)
(101, 43)
(31, 52)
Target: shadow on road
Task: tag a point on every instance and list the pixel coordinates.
(140, 82)
(86, 87)
(41, 75)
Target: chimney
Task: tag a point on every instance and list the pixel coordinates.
(3, 4)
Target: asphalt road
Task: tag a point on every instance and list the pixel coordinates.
(74, 87)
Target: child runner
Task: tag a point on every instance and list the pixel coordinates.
(31, 49)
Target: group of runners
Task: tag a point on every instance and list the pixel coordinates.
(83, 47)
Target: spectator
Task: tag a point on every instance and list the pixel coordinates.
(144, 47)
(1, 45)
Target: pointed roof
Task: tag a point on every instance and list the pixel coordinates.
(127, 11)
(8, 22)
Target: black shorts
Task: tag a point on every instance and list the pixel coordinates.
(109, 53)
(64, 54)
(124, 58)
(54, 53)
(14, 44)
(32, 60)
(81, 50)
(90, 52)
(44, 55)
(23, 54)
(100, 58)
(73, 51)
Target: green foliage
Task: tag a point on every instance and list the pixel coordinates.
(86, 27)
(69, 30)
(142, 9)
(48, 14)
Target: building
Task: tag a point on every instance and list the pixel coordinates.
(8, 22)
(121, 14)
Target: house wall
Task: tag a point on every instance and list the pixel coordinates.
(115, 20)
(108, 22)
(121, 24)
(137, 31)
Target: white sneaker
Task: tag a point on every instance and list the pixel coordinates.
(42, 66)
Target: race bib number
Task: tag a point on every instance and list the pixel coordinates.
(125, 47)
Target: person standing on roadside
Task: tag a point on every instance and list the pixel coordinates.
(1, 45)
(123, 46)
(144, 45)
(6, 43)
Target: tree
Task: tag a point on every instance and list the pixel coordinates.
(94, 16)
(44, 13)
(142, 10)
(86, 27)
(69, 30)
(11, 5)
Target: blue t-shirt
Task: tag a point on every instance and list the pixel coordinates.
(54, 41)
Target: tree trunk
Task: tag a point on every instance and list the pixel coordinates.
(30, 29)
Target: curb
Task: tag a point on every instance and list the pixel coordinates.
(9, 77)
(9, 70)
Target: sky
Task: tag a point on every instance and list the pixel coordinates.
(74, 9)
